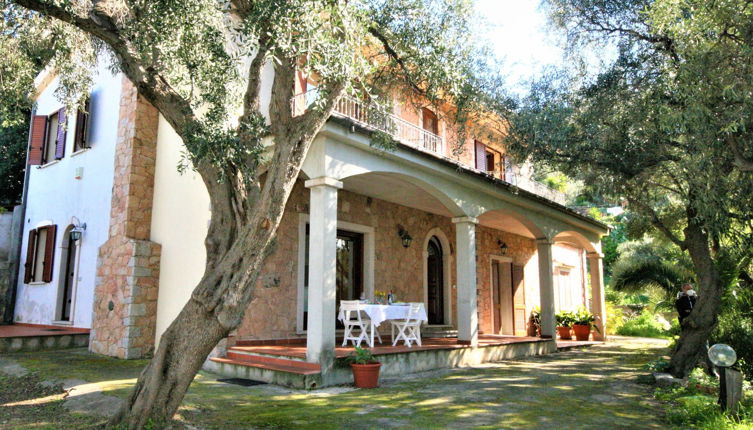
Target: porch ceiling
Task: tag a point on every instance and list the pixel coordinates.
(387, 187)
(506, 223)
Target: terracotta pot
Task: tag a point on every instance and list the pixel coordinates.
(366, 375)
(564, 333)
(582, 331)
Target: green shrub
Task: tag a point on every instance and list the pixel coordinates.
(615, 318)
(735, 328)
(644, 325)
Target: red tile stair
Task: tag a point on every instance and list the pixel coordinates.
(275, 370)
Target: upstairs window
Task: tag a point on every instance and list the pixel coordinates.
(81, 137)
(488, 160)
(431, 123)
(40, 254)
(47, 141)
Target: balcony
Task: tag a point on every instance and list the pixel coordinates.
(375, 118)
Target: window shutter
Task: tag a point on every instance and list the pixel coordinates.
(49, 253)
(82, 128)
(60, 141)
(480, 155)
(36, 143)
(30, 251)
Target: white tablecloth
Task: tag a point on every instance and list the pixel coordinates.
(381, 313)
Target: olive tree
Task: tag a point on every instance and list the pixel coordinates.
(200, 63)
(666, 125)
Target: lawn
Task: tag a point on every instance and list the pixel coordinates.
(594, 388)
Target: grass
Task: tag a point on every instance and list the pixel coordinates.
(552, 392)
(695, 406)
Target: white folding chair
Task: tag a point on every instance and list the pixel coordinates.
(408, 329)
(353, 320)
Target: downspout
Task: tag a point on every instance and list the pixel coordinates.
(9, 311)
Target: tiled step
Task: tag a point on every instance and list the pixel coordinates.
(280, 371)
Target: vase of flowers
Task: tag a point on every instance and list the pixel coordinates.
(365, 368)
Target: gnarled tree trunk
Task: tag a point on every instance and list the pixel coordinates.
(697, 327)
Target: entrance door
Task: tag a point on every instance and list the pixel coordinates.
(68, 280)
(348, 271)
(502, 297)
(520, 318)
(435, 281)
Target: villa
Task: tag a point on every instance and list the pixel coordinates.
(113, 240)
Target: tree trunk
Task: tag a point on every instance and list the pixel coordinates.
(697, 327)
(182, 350)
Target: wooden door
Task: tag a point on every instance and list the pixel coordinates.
(502, 297)
(435, 281)
(520, 317)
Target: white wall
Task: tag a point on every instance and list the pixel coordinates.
(180, 217)
(6, 225)
(54, 196)
(568, 290)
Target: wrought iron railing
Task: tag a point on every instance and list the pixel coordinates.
(376, 118)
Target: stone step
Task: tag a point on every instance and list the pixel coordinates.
(39, 343)
(280, 371)
(439, 331)
(254, 351)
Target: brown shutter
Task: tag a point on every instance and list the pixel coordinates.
(49, 253)
(36, 143)
(480, 155)
(30, 251)
(60, 141)
(82, 127)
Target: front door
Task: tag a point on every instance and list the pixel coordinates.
(68, 280)
(435, 281)
(502, 297)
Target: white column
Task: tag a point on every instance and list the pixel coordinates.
(320, 336)
(465, 233)
(546, 287)
(598, 306)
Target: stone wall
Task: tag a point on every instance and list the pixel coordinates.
(125, 299)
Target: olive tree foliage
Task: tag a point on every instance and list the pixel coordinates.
(201, 64)
(666, 125)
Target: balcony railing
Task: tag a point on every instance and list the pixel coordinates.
(376, 118)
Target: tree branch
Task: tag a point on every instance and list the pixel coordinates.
(396, 57)
(657, 222)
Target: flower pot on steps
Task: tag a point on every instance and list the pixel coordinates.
(564, 333)
(582, 332)
(366, 375)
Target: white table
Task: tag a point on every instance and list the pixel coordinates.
(380, 313)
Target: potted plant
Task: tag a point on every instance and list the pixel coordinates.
(535, 321)
(583, 322)
(365, 368)
(564, 322)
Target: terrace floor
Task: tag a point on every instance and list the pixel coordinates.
(35, 330)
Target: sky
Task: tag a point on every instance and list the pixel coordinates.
(518, 33)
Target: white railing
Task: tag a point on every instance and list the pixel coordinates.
(376, 118)
(373, 117)
(515, 177)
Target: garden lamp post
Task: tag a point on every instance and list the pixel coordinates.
(730, 380)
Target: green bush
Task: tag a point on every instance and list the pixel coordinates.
(644, 325)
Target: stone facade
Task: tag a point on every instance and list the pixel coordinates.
(272, 313)
(125, 301)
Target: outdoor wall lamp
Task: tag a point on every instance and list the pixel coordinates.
(502, 247)
(78, 229)
(404, 236)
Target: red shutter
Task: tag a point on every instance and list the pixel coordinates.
(60, 141)
(49, 253)
(36, 143)
(30, 250)
(480, 155)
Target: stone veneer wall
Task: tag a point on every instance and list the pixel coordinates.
(125, 297)
(272, 313)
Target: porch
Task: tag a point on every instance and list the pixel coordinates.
(283, 362)
(34, 337)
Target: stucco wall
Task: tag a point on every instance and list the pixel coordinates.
(55, 196)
